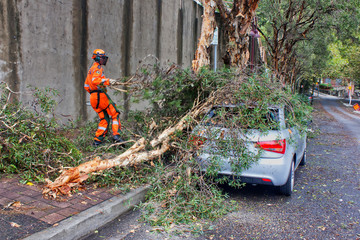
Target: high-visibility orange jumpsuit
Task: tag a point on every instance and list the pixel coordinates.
(95, 84)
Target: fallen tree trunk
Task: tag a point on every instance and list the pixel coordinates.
(74, 176)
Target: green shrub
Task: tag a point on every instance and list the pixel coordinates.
(325, 86)
(30, 140)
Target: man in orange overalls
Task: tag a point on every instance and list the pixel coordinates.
(95, 84)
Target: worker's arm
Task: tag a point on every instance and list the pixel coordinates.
(86, 85)
(98, 78)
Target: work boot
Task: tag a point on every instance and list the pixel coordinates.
(96, 143)
(117, 139)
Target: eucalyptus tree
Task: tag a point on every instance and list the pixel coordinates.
(339, 28)
(344, 61)
(353, 67)
(298, 35)
(284, 24)
(235, 19)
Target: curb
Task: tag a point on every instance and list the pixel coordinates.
(93, 218)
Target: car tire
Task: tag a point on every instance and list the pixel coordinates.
(303, 159)
(288, 187)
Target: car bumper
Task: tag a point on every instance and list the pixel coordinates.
(268, 171)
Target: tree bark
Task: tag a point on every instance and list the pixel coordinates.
(202, 55)
(236, 24)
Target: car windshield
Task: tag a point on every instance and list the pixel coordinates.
(243, 117)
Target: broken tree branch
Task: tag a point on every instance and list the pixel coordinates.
(74, 176)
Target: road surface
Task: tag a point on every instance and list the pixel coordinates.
(348, 118)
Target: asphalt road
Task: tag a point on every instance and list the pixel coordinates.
(325, 203)
(349, 119)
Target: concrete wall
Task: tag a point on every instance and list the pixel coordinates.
(49, 43)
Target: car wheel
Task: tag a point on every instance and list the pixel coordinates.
(288, 187)
(303, 159)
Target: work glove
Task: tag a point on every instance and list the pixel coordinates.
(112, 81)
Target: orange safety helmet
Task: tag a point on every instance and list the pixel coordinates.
(100, 56)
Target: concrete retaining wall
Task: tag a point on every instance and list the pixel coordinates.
(49, 43)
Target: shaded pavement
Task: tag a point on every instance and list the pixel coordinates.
(24, 211)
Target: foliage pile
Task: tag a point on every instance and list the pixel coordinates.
(173, 92)
(29, 140)
(182, 193)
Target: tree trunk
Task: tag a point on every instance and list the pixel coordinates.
(236, 26)
(202, 55)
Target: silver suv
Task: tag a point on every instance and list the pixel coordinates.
(281, 149)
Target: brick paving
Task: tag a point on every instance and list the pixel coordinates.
(23, 200)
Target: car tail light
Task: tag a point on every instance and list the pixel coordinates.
(266, 180)
(197, 140)
(277, 146)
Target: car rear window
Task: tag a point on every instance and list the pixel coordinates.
(243, 117)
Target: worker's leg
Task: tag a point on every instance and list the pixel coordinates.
(116, 124)
(99, 102)
(103, 126)
(115, 116)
